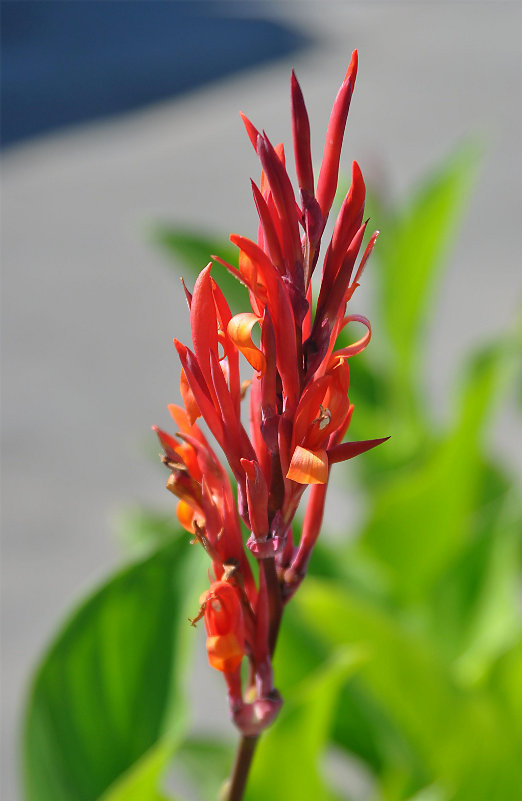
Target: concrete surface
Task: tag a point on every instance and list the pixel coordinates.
(90, 309)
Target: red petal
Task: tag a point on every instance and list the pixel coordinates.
(347, 450)
(301, 137)
(327, 182)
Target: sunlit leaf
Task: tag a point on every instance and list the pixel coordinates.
(142, 530)
(410, 254)
(109, 686)
(142, 782)
(437, 732)
(287, 762)
(424, 515)
(204, 763)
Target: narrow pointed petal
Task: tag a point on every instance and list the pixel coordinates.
(232, 356)
(301, 137)
(366, 255)
(346, 226)
(273, 245)
(347, 450)
(333, 302)
(200, 390)
(230, 419)
(203, 322)
(328, 176)
(284, 199)
(311, 529)
(259, 259)
(188, 295)
(169, 445)
(251, 130)
(257, 495)
(286, 348)
(258, 432)
(268, 389)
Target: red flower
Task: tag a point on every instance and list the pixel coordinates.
(225, 626)
(299, 408)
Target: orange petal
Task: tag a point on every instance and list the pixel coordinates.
(188, 398)
(239, 330)
(308, 467)
(224, 652)
(187, 515)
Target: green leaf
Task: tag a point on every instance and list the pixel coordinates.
(495, 621)
(423, 517)
(411, 254)
(142, 781)
(437, 732)
(193, 251)
(205, 763)
(287, 762)
(109, 686)
(397, 659)
(142, 530)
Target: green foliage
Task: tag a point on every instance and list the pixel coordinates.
(192, 251)
(109, 688)
(402, 650)
(305, 721)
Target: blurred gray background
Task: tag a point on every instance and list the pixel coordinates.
(90, 306)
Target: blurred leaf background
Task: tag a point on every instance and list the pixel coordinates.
(400, 659)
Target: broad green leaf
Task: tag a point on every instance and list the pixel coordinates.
(423, 516)
(395, 657)
(109, 686)
(142, 530)
(142, 782)
(206, 764)
(193, 251)
(473, 610)
(459, 739)
(411, 254)
(506, 688)
(287, 762)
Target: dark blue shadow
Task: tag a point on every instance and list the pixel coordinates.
(68, 62)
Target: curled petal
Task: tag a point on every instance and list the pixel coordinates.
(308, 467)
(360, 345)
(239, 330)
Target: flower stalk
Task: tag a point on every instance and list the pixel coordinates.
(298, 409)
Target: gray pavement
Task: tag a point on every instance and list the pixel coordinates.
(90, 309)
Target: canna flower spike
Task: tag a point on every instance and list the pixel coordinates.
(297, 401)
